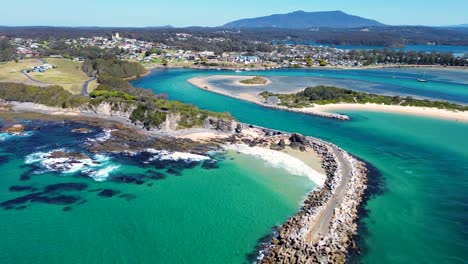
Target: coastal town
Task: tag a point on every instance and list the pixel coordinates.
(279, 54)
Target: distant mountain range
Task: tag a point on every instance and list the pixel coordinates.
(305, 20)
(462, 25)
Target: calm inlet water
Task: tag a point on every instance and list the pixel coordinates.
(418, 213)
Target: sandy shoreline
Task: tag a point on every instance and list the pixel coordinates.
(406, 110)
(324, 110)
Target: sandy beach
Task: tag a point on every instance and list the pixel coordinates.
(407, 110)
(326, 110)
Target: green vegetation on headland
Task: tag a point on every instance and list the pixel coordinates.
(143, 106)
(148, 108)
(332, 95)
(50, 96)
(115, 68)
(255, 80)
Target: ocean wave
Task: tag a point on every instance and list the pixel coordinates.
(98, 167)
(102, 137)
(7, 136)
(281, 160)
(175, 156)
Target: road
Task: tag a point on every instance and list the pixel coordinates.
(322, 225)
(84, 89)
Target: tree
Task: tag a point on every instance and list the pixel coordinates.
(7, 51)
(164, 62)
(309, 62)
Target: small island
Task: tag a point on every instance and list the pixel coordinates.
(257, 80)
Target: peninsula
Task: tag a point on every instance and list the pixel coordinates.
(324, 100)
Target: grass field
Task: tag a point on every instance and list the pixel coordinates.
(68, 74)
(11, 71)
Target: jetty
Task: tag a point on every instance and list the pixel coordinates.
(324, 228)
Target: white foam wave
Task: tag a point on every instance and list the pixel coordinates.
(98, 167)
(102, 174)
(103, 137)
(7, 136)
(176, 156)
(281, 160)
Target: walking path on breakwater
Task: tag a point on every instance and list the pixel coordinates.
(322, 225)
(323, 230)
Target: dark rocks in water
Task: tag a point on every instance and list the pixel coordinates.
(108, 193)
(40, 197)
(72, 186)
(128, 197)
(68, 155)
(21, 207)
(188, 164)
(26, 176)
(154, 175)
(129, 179)
(149, 184)
(17, 188)
(210, 164)
(174, 171)
(58, 199)
(238, 128)
(67, 208)
(4, 159)
(95, 190)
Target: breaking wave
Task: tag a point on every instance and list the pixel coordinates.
(281, 160)
(98, 167)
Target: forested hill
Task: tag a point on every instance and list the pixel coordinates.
(305, 20)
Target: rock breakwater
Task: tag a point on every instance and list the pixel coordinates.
(323, 230)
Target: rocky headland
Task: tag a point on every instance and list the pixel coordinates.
(321, 232)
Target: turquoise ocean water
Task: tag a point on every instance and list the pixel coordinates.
(184, 212)
(418, 212)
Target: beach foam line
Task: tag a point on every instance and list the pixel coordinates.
(281, 160)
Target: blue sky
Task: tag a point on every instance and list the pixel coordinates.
(217, 12)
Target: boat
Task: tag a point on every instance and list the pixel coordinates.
(238, 71)
(423, 80)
